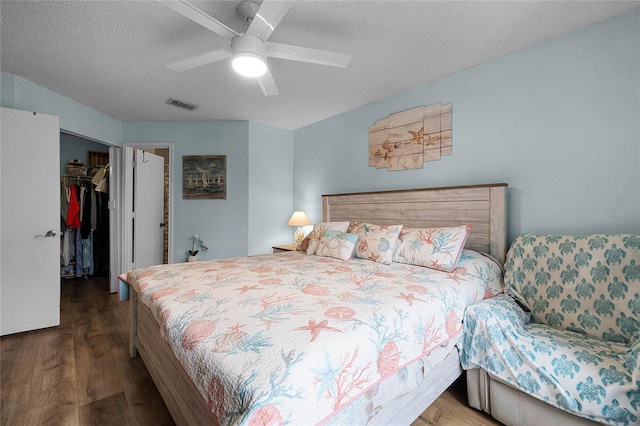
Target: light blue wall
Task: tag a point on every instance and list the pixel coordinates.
(558, 122)
(76, 147)
(18, 93)
(259, 184)
(232, 227)
(270, 187)
(222, 223)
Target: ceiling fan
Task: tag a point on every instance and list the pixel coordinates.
(249, 51)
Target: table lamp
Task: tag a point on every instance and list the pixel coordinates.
(299, 219)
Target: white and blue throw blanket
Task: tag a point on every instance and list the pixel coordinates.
(567, 331)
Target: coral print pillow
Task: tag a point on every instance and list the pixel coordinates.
(435, 248)
(318, 229)
(336, 244)
(376, 242)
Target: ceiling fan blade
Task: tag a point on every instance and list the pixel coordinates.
(268, 84)
(199, 60)
(268, 17)
(198, 16)
(305, 54)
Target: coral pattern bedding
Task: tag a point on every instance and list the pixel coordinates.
(291, 338)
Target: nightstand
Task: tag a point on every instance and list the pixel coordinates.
(285, 247)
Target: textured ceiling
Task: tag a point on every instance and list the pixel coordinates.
(111, 55)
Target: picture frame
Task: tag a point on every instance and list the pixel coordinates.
(204, 177)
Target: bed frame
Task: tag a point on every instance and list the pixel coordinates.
(484, 206)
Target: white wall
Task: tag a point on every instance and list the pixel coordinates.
(558, 122)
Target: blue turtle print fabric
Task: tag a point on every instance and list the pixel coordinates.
(567, 329)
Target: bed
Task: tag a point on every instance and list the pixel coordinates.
(291, 338)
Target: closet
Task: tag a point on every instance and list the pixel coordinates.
(84, 226)
(84, 211)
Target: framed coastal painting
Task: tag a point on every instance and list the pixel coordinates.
(204, 177)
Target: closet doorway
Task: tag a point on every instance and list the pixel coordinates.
(88, 241)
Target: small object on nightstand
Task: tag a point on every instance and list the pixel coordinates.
(285, 247)
(299, 219)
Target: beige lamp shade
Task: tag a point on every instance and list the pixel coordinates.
(299, 219)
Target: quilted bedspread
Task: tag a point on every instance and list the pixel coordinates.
(291, 338)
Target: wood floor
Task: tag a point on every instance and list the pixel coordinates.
(80, 373)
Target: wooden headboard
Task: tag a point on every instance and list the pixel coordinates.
(484, 206)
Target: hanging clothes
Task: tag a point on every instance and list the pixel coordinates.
(84, 214)
(81, 191)
(64, 206)
(66, 247)
(73, 216)
(85, 222)
(79, 267)
(94, 211)
(101, 235)
(87, 254)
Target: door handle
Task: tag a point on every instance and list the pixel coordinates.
(50, 233)
(161, 224)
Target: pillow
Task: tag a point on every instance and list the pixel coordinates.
(318, 229)
(376, 242)
(304, 244)
(435, 248)
(336, 244)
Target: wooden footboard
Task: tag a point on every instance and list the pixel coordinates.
(186, 405)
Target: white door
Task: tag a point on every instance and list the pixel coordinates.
(115, 217)
(148, 208)
(29, 221)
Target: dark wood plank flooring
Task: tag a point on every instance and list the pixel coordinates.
(80, 372)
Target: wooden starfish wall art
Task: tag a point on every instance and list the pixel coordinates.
(408, 139)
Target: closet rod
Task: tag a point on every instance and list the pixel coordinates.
(77, 179)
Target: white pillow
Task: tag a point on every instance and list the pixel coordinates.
(435, 248)
(336, 244)
(376, 242)
(319, 228)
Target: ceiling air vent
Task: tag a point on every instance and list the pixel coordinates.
(181, 104)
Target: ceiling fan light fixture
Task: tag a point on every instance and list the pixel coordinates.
(249, 51)
(249, 55)
(249, 64)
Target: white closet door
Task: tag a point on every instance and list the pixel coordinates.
(30, 221)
